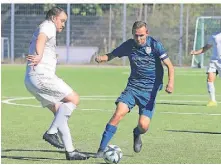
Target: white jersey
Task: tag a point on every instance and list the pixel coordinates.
(49, 60)
(42, 82)
(215, 40)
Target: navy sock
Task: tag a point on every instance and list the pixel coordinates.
(109, 132)
(137, 131)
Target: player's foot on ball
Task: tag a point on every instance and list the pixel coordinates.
(100, 153)
(76, 155)
(212, 104)
(137, 143)
(53, 140)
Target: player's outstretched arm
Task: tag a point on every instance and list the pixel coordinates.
(201, 50)
(170, 84)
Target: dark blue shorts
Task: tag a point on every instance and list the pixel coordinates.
(145, 100)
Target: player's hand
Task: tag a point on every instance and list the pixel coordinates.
(169, 88)
(193, 52)
(98, 59)
(33, 59)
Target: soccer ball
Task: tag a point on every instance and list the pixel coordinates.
(112, 154)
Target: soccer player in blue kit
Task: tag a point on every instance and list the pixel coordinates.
(146, 79)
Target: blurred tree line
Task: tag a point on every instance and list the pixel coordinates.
(100, 9)
(163, 21)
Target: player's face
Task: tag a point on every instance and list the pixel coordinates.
(140, 35)
(60, 21)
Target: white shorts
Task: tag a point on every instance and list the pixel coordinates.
(49, 90)
(214, 66)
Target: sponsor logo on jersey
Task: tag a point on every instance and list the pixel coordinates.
(148, 50)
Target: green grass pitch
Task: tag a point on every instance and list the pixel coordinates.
(183, 130)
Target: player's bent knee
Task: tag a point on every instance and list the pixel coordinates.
(144, 124)
(211, 77)
(76, 99)
(73, 98)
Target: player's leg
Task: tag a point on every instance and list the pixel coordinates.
(146, 110)
(51, 135)
(111, 127)
(64, 112)
(210, 85)
(213, 70)
(211, 76)
(68, 103)
(124, 103)
(141, 128)
(34, 86)
(64, 100)
(51, 90)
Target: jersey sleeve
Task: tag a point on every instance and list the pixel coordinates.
(210, 40)
(122, 50)
(161, 51)
(48, 29)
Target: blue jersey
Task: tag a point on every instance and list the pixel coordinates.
(145, 62)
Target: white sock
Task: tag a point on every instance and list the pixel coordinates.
(211, 90)
(61, 123)
(53, 129)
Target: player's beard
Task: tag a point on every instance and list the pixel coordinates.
(139, 44)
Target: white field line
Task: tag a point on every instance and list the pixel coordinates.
(115, 97)
(181, 73)
(10, 102)
(192, 113)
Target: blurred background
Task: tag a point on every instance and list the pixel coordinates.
(94, 29)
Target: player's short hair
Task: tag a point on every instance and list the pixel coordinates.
(137, 25)
(55, 11)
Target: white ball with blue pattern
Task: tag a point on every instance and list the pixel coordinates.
(112, 154)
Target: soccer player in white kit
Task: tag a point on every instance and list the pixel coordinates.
(42, 82)
(214, 67)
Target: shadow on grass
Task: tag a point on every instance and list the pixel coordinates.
(185, 104)
(92, 155)
(57, 151)
(21, 150)
(199, 132)
(28, 158)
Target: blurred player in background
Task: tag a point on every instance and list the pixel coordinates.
(42, 82)
(214, 67)
(146, 79)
